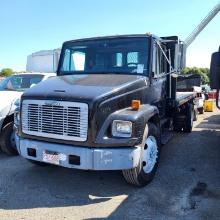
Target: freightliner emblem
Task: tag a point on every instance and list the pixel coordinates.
(52, 103)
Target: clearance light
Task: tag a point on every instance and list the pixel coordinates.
(135, 104)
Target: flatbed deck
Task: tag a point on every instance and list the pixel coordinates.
(183, 97)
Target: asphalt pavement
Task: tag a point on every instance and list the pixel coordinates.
(186, 186)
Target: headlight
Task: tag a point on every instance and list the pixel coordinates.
(121, 128)
(17, 117)
(17, 112)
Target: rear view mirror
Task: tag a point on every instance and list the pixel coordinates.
(215, 70)
(215, 74)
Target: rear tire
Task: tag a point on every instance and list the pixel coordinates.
(8, 145)
(183, 121)
(144, 173)
(189, 119)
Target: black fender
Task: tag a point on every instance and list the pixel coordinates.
(139, 118)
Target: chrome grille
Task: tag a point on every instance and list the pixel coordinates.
(55, 119)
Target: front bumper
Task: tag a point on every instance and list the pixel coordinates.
(90, 158)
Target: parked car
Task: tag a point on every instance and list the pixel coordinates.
(11, 89)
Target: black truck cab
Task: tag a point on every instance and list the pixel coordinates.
(109, 108)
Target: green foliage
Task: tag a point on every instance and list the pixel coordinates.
(203, 72)
(6, 72)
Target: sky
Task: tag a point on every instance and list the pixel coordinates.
(27, 26)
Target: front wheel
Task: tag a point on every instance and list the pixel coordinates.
(150, 151)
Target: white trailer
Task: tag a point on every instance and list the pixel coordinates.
(43, 61)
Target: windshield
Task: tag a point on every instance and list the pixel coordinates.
(122, 55)
(20, 82)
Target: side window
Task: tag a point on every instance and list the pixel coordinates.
(159, 61)
(163, 60)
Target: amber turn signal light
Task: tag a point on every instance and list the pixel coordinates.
(135, 104)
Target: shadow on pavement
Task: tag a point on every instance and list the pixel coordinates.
(51, 186)
(188, 162)
(187, 185)
(211, 122)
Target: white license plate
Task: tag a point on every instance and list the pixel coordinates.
(51, 157)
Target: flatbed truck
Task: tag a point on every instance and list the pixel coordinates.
(111, 106)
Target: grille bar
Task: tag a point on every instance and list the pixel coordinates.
(55, 119)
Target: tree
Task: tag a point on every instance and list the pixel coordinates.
(203, 72)
(6, 72)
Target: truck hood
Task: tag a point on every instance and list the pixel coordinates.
(85, 88)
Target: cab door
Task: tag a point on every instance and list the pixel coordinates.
(159, 78)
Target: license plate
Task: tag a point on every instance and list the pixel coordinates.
(51, 157)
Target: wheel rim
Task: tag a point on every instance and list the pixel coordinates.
(150, 154)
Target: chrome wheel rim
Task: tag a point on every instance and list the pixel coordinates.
(150, 154)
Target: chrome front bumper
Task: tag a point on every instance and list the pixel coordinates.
(89, 158)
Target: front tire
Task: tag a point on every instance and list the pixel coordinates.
(144, 173)
(8, 145)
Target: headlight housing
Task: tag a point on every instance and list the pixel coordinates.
(17, 117)
(17, 112)
(121, 128)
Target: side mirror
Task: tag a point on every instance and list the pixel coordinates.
(215, 71)
(215, 74)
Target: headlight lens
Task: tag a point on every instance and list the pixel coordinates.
(121, 128)
(17, 112)
(17, 118)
